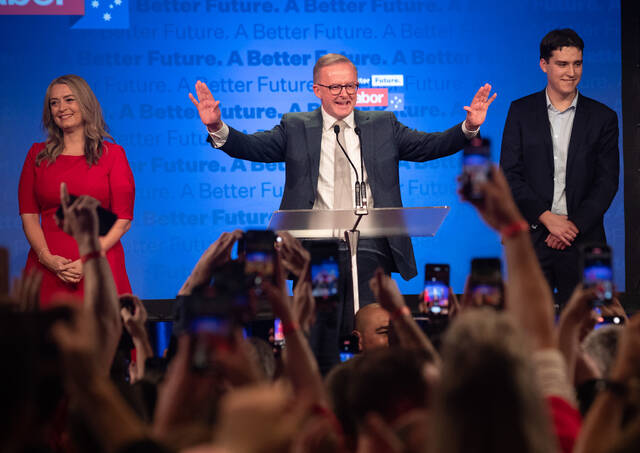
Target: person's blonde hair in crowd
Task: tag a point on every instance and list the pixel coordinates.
(488, 398)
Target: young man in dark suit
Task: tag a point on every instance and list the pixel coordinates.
(560, 156)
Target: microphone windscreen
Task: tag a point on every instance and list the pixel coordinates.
(357, 131)
(336, 129)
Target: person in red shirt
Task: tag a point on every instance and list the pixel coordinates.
(75, 152)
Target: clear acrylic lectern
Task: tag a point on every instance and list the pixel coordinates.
(347, 225)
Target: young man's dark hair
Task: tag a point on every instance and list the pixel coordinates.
(557, 39)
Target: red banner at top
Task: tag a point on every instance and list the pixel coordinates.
(42, 7)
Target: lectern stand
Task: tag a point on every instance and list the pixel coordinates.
(344, 224)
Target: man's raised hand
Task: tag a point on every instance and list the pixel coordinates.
(477, 110)
(208, 107)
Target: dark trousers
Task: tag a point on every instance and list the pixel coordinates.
(331, 324)
(561, 268)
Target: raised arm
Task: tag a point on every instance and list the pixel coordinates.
(477, 109)
(528, 295)
(216, 255)
(602, 426)
(208, 107)
(300, 362)
(100, 294)
(408, 331)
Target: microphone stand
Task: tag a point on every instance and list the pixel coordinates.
(352, 236)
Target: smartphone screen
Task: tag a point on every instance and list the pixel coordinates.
(324, 278)
(259, 260)
(325, 274)
(348, 347)
(106, 218)
(436, 288)
(485, 283)
(476, 167)
(278, 332)
(209, 334)
(597, 272)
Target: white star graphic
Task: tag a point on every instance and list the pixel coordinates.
(106, 17)
(118, 2)
(95, 3)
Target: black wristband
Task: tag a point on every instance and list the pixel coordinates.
(615, 387)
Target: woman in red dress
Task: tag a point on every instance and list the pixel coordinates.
(76, 153)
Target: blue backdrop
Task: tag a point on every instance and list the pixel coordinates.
(142, 57)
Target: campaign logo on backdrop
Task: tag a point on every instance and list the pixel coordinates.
(95, 14)
(396, 102)
(42, 7)
(387, 80)
(373, 97)
(104, 14)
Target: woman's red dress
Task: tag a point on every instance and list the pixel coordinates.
(110, 181)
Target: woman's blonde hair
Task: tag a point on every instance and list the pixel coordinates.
(95, 128)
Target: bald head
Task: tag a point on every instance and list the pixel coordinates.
(372, 327)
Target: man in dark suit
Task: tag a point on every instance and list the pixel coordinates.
(315, 175)
(560, 156)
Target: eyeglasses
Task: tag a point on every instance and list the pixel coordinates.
(350, 88)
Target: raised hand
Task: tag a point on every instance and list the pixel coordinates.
(295, 258)
(25, 293)
(497, 207)
(215, 256)
(208, 107)
(477, 111)
(80, 220)
(134, 322)
(627, 361)
(386, 292)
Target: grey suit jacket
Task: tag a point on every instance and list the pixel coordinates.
(384, 142)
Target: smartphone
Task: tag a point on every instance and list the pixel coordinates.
(278, 333)
(106, 218)
(209, 334)
(608, 320)
(259, 256)
(436, 289)
(597, 272)
(325, 274)
(348, 347)
(476, 167)
(228, 295)
(485, 282)
(127, 302)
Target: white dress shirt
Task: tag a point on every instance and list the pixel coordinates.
(324, 190)
(561, 124)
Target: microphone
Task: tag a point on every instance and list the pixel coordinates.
(363, 186)
(358, 187)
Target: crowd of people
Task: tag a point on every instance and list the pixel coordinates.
(501, 381)
(501, 377)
